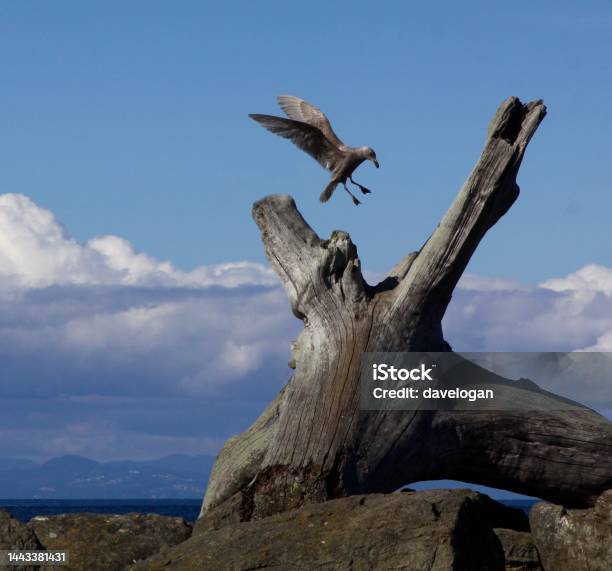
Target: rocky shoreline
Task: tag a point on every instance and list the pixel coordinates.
(432, 530)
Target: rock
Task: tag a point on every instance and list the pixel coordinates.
(108, 542)
(574, 539)
(16, 535)
(431, 530)
(520, 551)
(226, 513)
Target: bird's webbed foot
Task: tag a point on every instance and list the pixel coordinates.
(355, 201)
(362, 188)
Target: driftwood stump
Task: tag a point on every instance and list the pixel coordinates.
(313, 442)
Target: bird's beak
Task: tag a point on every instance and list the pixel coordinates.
(375, 163)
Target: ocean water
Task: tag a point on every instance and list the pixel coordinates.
(24, 510)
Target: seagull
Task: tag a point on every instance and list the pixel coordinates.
(310, 130)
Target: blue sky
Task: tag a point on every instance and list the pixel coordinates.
(129, 263)
(131, 118)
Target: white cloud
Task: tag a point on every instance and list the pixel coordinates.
(589, 279)
(603, 343)
(36, 251)
(561, 314)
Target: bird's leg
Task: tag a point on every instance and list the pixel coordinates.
(362, 188)
(355, 201)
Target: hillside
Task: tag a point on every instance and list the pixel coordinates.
(76, 477)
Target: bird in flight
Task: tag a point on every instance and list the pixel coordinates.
(310, 130)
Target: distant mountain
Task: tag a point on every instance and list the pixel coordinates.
(76, 477)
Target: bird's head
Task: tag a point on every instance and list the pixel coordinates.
(370, 155)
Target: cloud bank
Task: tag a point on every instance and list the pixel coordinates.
(108, 352)
(98, 316)
(571, 313)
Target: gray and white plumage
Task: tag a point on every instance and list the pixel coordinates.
(310, 130)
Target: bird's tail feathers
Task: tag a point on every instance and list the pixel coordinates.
(329, 190)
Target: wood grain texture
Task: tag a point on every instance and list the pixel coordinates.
(314, 443)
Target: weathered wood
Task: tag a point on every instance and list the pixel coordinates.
(314, 443)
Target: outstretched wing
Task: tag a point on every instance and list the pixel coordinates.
(301, 110)
(305, 136)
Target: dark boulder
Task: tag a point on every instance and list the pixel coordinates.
(108, 542)
(580, 540)
(431, 530)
